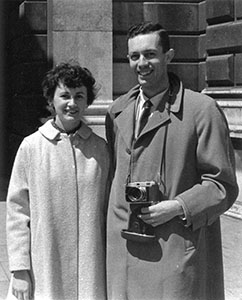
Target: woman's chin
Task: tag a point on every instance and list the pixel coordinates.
(70, 121)
(72, 117)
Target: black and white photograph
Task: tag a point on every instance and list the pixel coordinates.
(120, 150)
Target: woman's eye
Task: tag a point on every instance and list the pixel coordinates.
(65, 96)
(79, 97)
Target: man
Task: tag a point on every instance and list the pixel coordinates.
(185, 149)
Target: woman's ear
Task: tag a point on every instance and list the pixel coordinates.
(50, 106)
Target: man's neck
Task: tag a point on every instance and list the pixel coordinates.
(152, 93)
(149, 93)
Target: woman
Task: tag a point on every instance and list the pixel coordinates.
(56, 204)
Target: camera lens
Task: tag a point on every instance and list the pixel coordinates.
(136, 194)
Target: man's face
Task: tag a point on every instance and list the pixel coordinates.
(149, 63)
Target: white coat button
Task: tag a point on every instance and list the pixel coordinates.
(128, 151)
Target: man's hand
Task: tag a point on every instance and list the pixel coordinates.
(22, 287)
(161, 212)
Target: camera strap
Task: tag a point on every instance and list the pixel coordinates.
(162, 182)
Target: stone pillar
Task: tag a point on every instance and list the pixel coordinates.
(82, 30)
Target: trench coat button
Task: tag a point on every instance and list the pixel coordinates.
(128, 151)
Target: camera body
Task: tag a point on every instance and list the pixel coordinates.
(139, 195)
(142, 192)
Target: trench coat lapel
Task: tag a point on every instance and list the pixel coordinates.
(126, 117)
(162, 115)
(158, 119)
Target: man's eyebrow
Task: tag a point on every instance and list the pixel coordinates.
(147, 50)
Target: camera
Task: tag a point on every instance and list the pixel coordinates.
(142, 192)
(139, 195)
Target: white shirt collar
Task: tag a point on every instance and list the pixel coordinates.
(154, 100)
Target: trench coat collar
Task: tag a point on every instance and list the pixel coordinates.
(51, 133)
(175, 93)
(124, 110)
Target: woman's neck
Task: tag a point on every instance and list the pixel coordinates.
(71, 129)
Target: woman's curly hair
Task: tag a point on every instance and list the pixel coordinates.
(71, 75)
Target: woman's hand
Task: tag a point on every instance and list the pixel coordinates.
(22, 287)
(161, 212)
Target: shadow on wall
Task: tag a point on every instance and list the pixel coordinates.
(23, 64)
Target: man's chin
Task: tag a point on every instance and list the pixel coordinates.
(143, 82)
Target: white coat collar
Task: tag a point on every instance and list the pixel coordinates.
(51, 133)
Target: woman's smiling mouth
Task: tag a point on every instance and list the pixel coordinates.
(71, 112)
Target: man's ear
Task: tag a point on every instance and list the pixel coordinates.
(169, 55)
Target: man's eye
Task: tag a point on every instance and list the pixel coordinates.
(134, 56)
(150, 55)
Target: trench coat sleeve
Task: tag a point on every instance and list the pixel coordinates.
(18, 212)
(217, 190)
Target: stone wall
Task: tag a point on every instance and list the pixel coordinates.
(224, 84)
(186, 24)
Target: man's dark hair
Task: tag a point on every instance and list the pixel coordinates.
(71, 75)
(149, 27)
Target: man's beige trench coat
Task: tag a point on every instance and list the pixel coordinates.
(57, 190)
(198, 170)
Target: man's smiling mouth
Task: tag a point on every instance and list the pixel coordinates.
(145, 73)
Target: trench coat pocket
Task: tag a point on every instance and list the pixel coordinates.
(176, 235)
(192, 238)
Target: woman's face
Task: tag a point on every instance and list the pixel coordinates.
(69, 104)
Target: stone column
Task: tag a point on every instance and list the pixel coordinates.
(82, 30)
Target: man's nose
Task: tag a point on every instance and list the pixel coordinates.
(142, 61)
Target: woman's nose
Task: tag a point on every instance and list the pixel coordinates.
(72, 102)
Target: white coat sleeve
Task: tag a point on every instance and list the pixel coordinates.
(18, 212)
